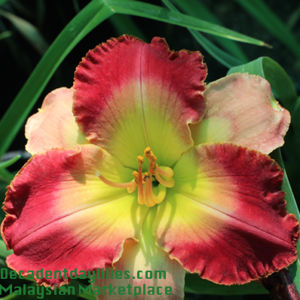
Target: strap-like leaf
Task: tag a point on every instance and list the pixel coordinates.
(197, 9)
(91, 16)
(7, 163)
(283, 86)
(262, 13)
(30, 32)
(224, 58)
(194, 284)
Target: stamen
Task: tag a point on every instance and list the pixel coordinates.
(141, 199)
(147, 152)
(146, 196)
(131, 189)
(140, 159)
(152, 157)
(123, 185)
(150, 198)
(153, 167)
(169, 182)
(148, 192)
(136, 180)
(162, 191)
(136, 176)
(166, 171)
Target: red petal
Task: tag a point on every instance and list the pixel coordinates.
(61, 215)
(225, 217)
(130, 95)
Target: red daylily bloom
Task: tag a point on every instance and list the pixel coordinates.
(152, 171)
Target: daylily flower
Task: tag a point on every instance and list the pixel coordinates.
(139, 166)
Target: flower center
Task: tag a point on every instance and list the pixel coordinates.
(159, 177)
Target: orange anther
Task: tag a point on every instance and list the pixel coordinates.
(140, 159)
(147, 152)
(136, 176)
(153, 167)
(152, 157)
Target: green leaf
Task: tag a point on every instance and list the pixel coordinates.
(92, 15)
(2, 2)
(12, 296)
(291, 207)
(3, 186)
(30, 32)
(194, 284)
(124, 25)
(4, 174)
(88, 18)
(275, 74)
(9, 162)
(5, 34)
(293, 18)
(76, 6)
(3, 251)
(87, 295)
(262, 13)
(157, 13)
(224, 58)
(197, 9)
(283, 86)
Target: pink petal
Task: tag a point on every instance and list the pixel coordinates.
(241, 109)
(54, 125)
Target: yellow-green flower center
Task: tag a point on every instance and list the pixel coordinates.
(144, 180)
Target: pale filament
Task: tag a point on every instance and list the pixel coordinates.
(168, 183)
(167, 172)
(161, 193)
(123, 185)
(148, 190)
(141, 199)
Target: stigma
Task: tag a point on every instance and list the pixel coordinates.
(162, 177)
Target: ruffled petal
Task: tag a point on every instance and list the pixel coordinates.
(61, 215)
(241, 109)
(148, 270)
(130, 95)
(54, 125)
(225, 217)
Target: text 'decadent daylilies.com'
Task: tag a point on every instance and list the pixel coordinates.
(141, 167)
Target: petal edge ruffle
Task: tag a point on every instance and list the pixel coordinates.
(130, 95)
(225, 217)
(61, 215)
